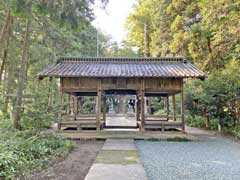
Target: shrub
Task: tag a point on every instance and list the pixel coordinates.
(196, 121)
(20, 152)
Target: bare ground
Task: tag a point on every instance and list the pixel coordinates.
(75, 166)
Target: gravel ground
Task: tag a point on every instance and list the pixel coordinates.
(215, 158)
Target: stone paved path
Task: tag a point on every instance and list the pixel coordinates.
(118, 160)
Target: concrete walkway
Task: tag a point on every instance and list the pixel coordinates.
(118, 160)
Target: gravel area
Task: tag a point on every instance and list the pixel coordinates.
(214, 158)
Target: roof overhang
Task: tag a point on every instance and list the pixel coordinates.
(122, 67)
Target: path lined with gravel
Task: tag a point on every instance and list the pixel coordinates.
(212, 158)
(118, 160)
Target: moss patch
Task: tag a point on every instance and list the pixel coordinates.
(117, 157)
(178, 139)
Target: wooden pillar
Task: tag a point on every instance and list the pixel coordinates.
(68, 103)
(60, 98)
(146, 105)
(75, 104)
(50, 93)
(174, 106)
(104, 108)
(137, 110)
(142, 104)
(149, 105)
(79, 104)
(167, 107)
(99, 94)
(71, 105)
(182, 107)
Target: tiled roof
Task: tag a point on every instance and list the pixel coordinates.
(121, 67)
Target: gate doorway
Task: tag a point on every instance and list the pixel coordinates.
(120, 109)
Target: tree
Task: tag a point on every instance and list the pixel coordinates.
(57, 28)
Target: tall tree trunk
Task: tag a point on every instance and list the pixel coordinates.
(5, 53)
(21, 80)
(146, 40)
(5, 25)
(210, 51)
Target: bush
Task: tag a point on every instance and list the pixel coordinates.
(235, 131)
(198, 121)
(20, 152)
(216, 97)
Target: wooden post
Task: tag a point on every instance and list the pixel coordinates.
(68, 103)
(137, 109)
(174, 106)
(149, 105)
(60, 105)
(50, 93)
(167, 107)
(99, 94)
(142, 105)
(104, 108)
(182, 107)
(75, 104)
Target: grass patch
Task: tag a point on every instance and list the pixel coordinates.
(173, 139)
(178, 139)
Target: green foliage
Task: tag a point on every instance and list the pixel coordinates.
(206, 32)
(216, 97)
(57, 28)
(236, 131)
(198, 121)
(20, 152)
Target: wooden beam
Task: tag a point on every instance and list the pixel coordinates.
(174, 106)
(142, 104)
(99, 94)
(182, 107)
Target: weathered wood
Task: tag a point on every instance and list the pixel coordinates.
(104, 108)
(75, 104)
(163, 125)
(182, 107)
(167, 106)
(99, 94)
(83, 84)
(174, 106)
(141, 87)
(50, 93)
(137, 108)
(142, 104)
(161, 116)
(60, 99)
(68, 103)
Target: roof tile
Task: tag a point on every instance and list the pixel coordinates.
(121, 67)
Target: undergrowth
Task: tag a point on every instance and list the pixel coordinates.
(23, 151)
